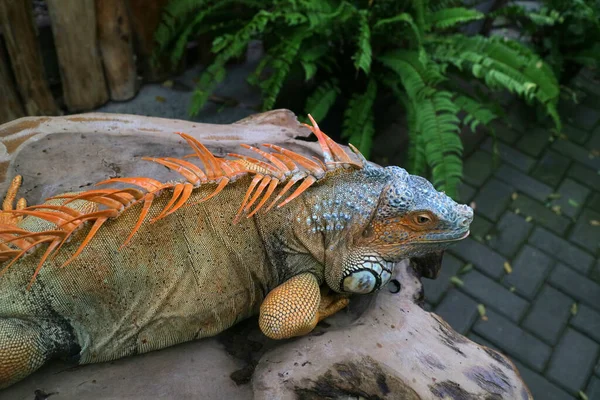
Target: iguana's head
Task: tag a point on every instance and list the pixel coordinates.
(410, 219)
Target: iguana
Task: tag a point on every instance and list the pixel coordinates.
(111, 272)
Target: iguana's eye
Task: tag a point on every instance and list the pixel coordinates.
(422, 219)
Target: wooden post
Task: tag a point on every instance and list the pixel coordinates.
(74, 29)
(16, 22)
(145, 17)
(115, 40)
(10, 103)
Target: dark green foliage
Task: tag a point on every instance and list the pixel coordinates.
(362, 50)
(566, 33)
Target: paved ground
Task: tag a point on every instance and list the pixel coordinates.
(532, 260)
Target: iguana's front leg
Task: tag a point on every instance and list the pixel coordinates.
(296, 306)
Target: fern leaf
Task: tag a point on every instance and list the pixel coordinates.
(322, 99)
(416, 78)
(362, 57)
(434, 120)
(228, 46)
(283, 56)
(359, 125)
(504, 64)
(438, 123)
(450, 17)
(404, 18)
(476, 112)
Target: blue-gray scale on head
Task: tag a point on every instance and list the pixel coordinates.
(412, 219)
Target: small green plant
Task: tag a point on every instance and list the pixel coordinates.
(353, 52)
(566, 33)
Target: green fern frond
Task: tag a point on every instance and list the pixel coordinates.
(438, 123)
(476, 112)
(417, 162)
(322, 99)
(404, 18)
(227, 46)
(359, 125)
(450, 17)
(362, 57)
(417, 79)
(504, 64)
(282, 57)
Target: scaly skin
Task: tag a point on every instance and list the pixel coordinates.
(193, 273)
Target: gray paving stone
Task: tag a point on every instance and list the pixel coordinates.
(572, 197)
(523, 183)
(466, 193)
(594, 202)
(561, 249)
(583, 117)
(585, 175)
(459, 310)
(534, 142)
(435, 288)
(593, 389)
(595, 274)
(575, 285)
(588, 321)
(480, 227)
(549, 314)
(530, 269)
(551, 168)
(509, 155)
(540, 387)
(541, 214)
(493, 199)
(509, 234)
(585, 234)
(494, 295)
(573, 361)
(472, 140)
(576, 135)
(504, 132)
(594, 142)
(477, 168)
(479, 340)
(481, 256)
(577, 153)
(513, 340)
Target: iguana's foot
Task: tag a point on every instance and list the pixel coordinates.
(296, 306)
(331, 303)
(24, 348)
(7, 205)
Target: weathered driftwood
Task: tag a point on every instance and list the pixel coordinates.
(116, 45)
(75, 38)
(384, 346)
(10, 103)
(145, 17)
(16, 22)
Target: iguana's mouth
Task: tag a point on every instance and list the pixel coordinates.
(455, 239)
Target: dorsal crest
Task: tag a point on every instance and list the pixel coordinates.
(279, 168)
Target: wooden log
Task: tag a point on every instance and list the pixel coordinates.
(116, 45)
(10, 103)
(145, 17)
(75, 37)
(16, 22)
